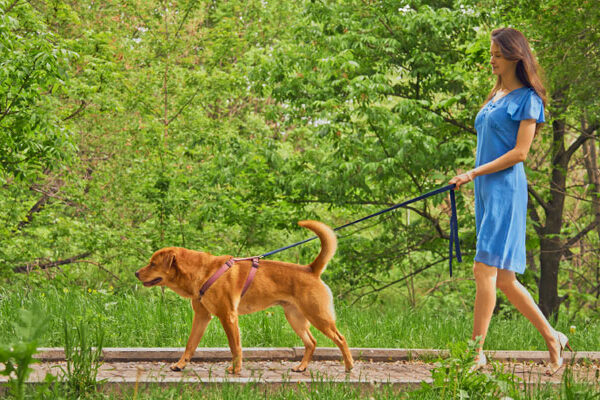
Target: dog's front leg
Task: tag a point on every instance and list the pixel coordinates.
(232, 329)
(201, 319)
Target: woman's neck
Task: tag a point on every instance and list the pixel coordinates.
(510, 82)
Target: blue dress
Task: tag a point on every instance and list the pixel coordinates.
(501, 197)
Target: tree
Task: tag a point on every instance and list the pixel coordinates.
(171, 146)
(32, 70)
(379, 100)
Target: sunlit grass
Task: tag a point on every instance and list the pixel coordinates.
(143, 317)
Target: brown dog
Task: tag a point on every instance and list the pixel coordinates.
(305, 298)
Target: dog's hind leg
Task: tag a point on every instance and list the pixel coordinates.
(327, 326)
(301, 326)
(201, 319)
(322, 316)
(232, 329)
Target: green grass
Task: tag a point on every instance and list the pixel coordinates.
(317, 389)
(150, 318)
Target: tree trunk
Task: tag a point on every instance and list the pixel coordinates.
(591, 165)
(551, 246)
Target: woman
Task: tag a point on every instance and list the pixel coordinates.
(506, 126)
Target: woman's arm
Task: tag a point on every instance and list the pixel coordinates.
(516, 155)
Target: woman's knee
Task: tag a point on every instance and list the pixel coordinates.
(483, 272)
(506, 280)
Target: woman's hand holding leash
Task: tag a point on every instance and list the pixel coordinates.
(461, 179)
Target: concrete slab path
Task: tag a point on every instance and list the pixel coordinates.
(272, 366)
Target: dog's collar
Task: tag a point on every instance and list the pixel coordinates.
(228, 264)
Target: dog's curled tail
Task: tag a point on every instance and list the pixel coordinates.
(328, 244)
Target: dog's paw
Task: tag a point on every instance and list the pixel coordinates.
(233, 371)
(175, 367)
(298, 369)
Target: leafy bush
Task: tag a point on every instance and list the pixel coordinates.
(17, 356)
(453, 377)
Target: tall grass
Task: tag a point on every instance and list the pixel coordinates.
(316, 390)
(83, 358)
(153, 318)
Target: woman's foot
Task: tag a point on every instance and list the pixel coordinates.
(562, 341)
(480, 362)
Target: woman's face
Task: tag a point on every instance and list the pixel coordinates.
(500, 65)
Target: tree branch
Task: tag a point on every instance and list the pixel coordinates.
(380, 140)
(14, 3)
(415, 272)
(538, 198)
(36, 264)
(99, 266)
(535, 217)
(183, 107)
(14, 99)
(577, 144)
(185, 17)
(74, 114)
(385, 25)
(570, 242)
(330, 202)
(37, 207)
(435, 222)
(450, 120)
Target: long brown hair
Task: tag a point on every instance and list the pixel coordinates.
(515, 47)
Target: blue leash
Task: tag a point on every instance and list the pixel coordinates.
(453, 223)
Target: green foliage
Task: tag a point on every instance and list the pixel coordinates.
(17, 354)
(453, 379)
(33, 68)
(571, 389)
(217, 125)
(82, 358)
(367, 94)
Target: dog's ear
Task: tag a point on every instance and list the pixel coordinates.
(166, 259)
(170, 261)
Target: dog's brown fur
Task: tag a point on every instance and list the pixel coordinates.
(297, 288)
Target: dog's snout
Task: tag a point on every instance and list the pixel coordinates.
(137, 274)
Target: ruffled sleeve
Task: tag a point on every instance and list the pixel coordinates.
(528, 106)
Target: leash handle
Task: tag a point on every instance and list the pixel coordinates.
(453, 231)
(453, 223)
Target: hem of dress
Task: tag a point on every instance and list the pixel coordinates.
(497, 264)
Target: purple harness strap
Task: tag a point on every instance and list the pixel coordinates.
(250, 277)
(228, 264)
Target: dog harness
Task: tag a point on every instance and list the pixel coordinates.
(224, 269)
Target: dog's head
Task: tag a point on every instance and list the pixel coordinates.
(161, 270)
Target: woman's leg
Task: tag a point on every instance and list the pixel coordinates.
(485, 299)
(522, 300)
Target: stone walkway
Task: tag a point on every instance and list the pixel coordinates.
(399, 367)
(410, 373)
